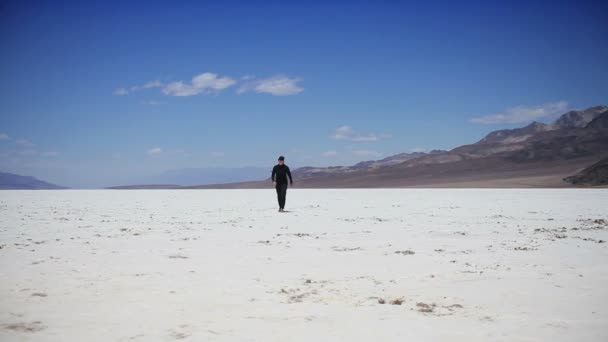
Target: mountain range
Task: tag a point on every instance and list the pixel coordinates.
(11, 181)
(210, 175)
(537, 155)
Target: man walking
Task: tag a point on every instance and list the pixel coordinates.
(280, 172)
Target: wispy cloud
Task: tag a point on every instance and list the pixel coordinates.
(4, 136)
(348, 133)
(204, 83)
(24, 142)
(152, 103)
(279, 85)
(151, 84)
(367, 153)
(155, 151)
(125, 91)
(521, 114)
(211, 83)
(120, 91)
(167, 152)
(330, 154)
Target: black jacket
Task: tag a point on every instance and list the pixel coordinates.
(280, 174)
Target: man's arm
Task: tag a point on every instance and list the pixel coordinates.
(274, 172)
(289, 174)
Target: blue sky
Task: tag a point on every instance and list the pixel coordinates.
(101, 94)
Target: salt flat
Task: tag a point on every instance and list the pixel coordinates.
(223, 265)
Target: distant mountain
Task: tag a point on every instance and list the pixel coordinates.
(579, 119)
(147, 186)
(516, 135)
(537, 155)
(210, 175)
(572, 119)
(596, 174)
(599, 122)
(393, 160)
(565, 137)
(309, 171)
(10, 181)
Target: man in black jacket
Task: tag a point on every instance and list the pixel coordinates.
(280, 172)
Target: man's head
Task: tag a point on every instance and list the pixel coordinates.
(281, 160)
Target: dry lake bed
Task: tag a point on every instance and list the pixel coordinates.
(340, 265)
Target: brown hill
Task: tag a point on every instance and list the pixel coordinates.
(594, 175)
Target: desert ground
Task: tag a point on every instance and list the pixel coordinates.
(340, 265)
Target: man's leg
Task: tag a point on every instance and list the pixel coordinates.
(282, 193)
(278, 188)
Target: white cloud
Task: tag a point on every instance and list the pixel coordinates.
(120, 91)
(209, 82)
(367, 153)
(165, 152)
(24, 142)
(347, 133)
(277, 85)
(152, 103)
(218, 154)
(204, 83)
(180, 89)
(4, 136)
(330, 153)
(155, 151)
(418, 149)
(153, 84)
(125, 91)
(523, 114)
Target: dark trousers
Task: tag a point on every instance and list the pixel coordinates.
(281, 194)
